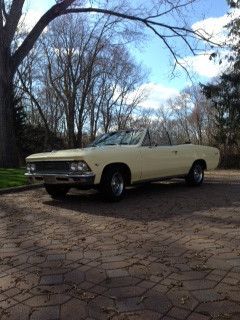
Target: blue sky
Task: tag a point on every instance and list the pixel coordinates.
(158, 59)
(207, 14)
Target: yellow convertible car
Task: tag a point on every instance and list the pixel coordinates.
(119, 159)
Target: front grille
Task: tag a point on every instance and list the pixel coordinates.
(52, 167)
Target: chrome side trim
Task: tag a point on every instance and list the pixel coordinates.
(160, 179)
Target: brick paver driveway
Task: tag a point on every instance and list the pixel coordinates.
(166, 252)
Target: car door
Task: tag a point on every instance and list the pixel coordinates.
(158, 161)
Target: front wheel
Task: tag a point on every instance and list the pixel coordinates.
(195, 176)
(56, 191)
(113, 184)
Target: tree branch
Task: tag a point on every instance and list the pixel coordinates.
(62, 8)
(180, 32)
(35, 101)
(173, 7)
(145, 21)
(55, 11)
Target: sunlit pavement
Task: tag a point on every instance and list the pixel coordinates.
(166, 252)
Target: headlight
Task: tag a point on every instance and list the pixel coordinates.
(82, 166)
(74, 166)
(31, 167)
(79, 166)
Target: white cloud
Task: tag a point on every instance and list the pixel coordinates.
(214, 27)
(31, 18)
(203, 66)
(156, 94)
(149, 95)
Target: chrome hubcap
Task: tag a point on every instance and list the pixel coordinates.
(117, 184)
(198, 173)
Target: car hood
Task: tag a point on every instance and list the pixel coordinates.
(73, 154)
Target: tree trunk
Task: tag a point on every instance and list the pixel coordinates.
(8, 145)
(70, 126)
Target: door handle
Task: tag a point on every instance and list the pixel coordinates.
(174, 151)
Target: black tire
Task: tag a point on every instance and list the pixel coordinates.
(113, 184)
(57, 191)
(195, 176)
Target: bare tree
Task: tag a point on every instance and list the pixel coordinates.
(121, 77)
(188, 117)
(142, 119)
(79, 64)
(79, 76)
(181, 108)
(199, 114)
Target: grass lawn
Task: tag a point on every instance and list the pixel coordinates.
(12, 178)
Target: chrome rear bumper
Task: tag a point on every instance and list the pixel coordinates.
(69, 179)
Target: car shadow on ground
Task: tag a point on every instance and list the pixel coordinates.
(155, 201)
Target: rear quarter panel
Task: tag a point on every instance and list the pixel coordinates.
(210, 155)
(189, 153)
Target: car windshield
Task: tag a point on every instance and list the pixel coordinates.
(128, 137)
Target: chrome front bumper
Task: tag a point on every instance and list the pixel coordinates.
(69, 179)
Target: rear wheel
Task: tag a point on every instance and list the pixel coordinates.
(195, 176)
(113, 184)
(56, 191)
